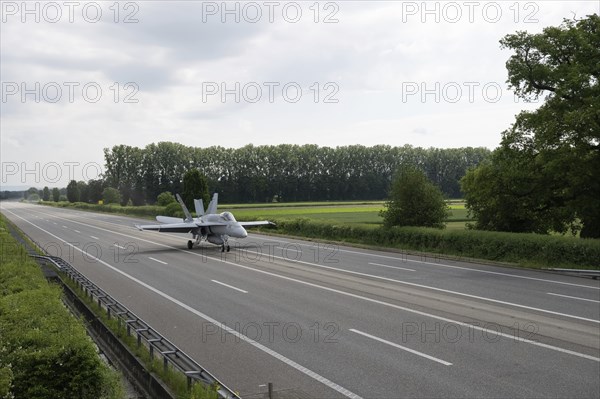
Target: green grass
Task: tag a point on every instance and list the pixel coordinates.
(37, 333)
(365, 215)
(299, 204)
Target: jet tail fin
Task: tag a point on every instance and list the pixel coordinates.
(188, 216)
(212, 206)
(199, 205)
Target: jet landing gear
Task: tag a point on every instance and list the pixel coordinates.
(191, 243)
(225, 244)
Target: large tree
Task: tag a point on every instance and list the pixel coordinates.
(509, 193)
(414, 201)
(111, 195)
(83, 191)
(555, 148)
(46, 194)
(55, 194)
(73, 191)
(194, 187)
(95, 188)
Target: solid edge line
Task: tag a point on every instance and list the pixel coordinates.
(573, 297)
(230, 330)
(435, 359)
(229, 286)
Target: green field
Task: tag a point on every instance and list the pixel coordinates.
(366, 215)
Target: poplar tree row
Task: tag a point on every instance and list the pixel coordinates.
(282, 173)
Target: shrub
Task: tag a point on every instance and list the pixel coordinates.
(414, 201)
(174, 209)
(165, 198)
(111, 196)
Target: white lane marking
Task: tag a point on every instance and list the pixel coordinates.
(156, 260)
(223, 326)
(77, 231)
(367, 299)
(404, 348)
(118, 246)
(440, 290)
(450, 266)
(54, 222)
(573, 297)
(229, 286)
(391, 267)
(94, 237)
(65, 226)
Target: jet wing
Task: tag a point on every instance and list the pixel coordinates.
(168, 219)
(182, 227)
(257, 223)
(169, 227)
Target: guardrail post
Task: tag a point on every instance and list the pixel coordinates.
(151, 347)
(270, 390)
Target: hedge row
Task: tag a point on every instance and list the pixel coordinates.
(44, 351)
(532, 250)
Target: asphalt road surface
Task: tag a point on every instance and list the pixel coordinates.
(327, 321)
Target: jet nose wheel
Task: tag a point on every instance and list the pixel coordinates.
(190, 244)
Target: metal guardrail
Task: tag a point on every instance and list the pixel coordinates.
(156, 343)
(581, 272)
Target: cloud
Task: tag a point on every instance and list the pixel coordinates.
(391, 72)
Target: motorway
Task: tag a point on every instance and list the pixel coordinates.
(325, 321)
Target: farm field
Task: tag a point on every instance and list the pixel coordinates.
(366, 214)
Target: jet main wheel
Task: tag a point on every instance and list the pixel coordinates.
(190, 244)
(222, 248)
(228, 248)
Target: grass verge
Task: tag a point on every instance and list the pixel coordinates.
(45, 351)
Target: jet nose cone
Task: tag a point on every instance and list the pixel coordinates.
(243, 232)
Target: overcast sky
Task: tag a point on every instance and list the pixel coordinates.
(81, 76)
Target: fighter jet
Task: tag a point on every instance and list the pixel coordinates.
(209, 226)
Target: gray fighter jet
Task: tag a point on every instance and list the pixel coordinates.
(209, 226)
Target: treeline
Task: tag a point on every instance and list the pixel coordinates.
(283, 173)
